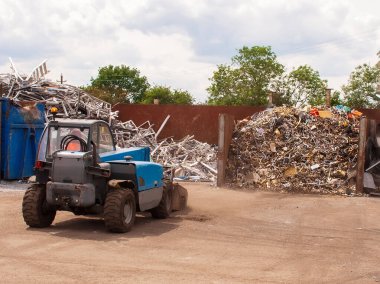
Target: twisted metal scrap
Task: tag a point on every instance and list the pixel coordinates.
(188, 158)
(71, 101)
(286, 149)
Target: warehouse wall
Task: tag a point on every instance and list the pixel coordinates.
(199, 120)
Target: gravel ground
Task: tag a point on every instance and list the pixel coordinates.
(9, 186)
(224, 236)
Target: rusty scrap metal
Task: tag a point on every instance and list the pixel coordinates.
(287, 149)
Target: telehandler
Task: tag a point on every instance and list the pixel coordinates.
(79, 169)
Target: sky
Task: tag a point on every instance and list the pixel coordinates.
(179, 43)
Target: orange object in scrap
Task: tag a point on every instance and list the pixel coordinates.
(314, 112)
(356, 113)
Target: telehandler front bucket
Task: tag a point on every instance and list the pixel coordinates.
(179, 197)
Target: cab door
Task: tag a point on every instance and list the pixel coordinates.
(103, 138)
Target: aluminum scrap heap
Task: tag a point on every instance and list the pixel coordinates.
(71, 101)
(189, 159)
(294, 150)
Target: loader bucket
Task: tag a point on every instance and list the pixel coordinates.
(179, 197)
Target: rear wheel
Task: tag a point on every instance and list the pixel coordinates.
(163, 209)
(120, 210)
(35, 209)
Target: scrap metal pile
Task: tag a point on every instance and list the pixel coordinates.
(188, 159)
(71, 101)
(192, 160)
(293, 150)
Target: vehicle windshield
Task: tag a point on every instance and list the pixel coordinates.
(56, 134)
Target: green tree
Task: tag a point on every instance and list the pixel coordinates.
(336, 99)
(162, 93)
(119, 84)
(301, 86)
(181, 97)
(166, 96)
(360, 91)
(246, 80)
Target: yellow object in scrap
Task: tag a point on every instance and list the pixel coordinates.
(54, 110)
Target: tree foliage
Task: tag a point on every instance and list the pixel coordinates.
(119, 84)
(123, 84)
(300, 87)
(167, 96)
(246, 80)
(161, 93)
(336, 99)
(360, 91)
(181, 97)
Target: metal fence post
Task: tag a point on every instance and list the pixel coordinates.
(226, 126)
(361, 155)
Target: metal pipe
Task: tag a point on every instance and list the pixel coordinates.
(162, 126)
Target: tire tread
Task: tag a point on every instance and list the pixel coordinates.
(113, 210)
(31, 208)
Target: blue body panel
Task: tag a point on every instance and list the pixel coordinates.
(148, 174)
(137, 154)
(20, 133)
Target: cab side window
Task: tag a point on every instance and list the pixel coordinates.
(105, 139)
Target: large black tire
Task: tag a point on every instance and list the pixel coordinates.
(120, 210)
(163, 210)
(35, 210)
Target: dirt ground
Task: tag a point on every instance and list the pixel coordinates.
(225, 236)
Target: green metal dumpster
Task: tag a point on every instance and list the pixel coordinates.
(22, 124)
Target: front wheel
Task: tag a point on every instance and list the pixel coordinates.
(35, 209)
(163, 209)
(120, 210)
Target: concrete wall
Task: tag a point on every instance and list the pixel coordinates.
(198, 120)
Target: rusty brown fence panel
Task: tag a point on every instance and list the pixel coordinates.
(198, 120)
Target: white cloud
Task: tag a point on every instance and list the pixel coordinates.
(179, 43)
